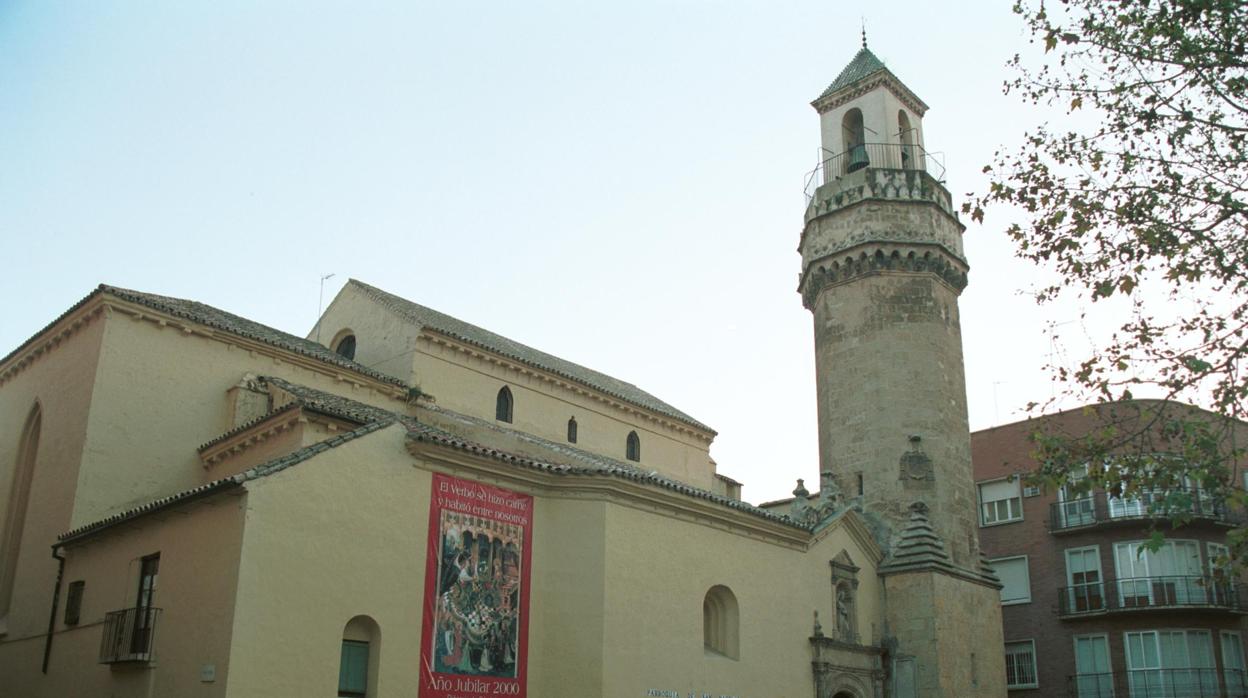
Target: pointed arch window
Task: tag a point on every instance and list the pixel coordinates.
(572, 430)
(19, 498)
(632, 447)
(503, 405)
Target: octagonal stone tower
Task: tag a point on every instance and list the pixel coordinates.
(882, 268)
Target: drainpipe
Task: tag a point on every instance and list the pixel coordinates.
(56, 598)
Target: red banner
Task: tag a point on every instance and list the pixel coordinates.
(476, 623)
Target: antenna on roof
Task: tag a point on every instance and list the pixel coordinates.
(320, 304)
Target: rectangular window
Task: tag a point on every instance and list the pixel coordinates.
(1171, 576)
(73, 602)
(1171, 663)
(1075, 507)
(144, 614)
(1031, 491)
(1015, 579)
(353, 669)
(1020, 664)
(1000, 502)
(1233, 664)
(1084, 591)
(1094, 676)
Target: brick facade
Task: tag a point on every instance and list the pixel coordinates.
(1006, 450)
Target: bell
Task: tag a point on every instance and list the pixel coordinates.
(857, 158)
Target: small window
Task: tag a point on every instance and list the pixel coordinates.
(346, 347)
(999, 502)
(1020, 664)
(720, 622)
(73, 602)
(861, 485)
(1015, 579)
(1031, 491)
(632, 447)
(572, 430)
(503, 405)
(353, 669)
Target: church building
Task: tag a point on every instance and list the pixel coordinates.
(195, 504)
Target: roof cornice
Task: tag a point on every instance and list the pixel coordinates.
(883, 78)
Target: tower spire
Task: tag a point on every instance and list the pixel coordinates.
(864, 32)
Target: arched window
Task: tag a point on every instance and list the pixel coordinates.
(346, 347)
(720, 622)
(572, 430)
(906, 136)
(853, 134)
(503, 405)
(632, 447)
(357, 666)
(19, 497)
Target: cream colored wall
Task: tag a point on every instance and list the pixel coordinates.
(470, 385)
(384, 341)
(61, 381)
(334, 537)
(658, 572)
(195, 586)
(161, 392)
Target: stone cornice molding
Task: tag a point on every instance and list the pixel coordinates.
(884, 79)
(871, 259)
(436, 338)
(263, 428)
(52, 337)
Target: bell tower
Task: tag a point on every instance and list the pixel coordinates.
(882, 269)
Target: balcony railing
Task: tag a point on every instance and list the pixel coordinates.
(887, 156)
(1099, 508)
(129, 635)
(1160, 683)
(1142, 593)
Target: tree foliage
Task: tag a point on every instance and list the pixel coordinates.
(1140, 196)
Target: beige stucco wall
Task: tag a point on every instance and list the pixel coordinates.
(164, 390)
(384, 341)
(470, 384)
(61, 381)
(658, 572)
(198, 547)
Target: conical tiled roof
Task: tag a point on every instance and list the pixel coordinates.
(864, 64)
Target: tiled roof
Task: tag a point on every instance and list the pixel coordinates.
(576, 461)
(234, 324)
(225, 483)
(471, 334)
(863, 65)
(221, 320)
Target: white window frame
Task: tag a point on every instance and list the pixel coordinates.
(1076, 511)
(1088, 590)
(1035, 668)
(1235, 683)
(1026, 576)
(983, 504)
(1140, 677)
(1146, 585)
(1102, 686)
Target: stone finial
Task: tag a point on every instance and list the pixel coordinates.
(864, 32)
(800, 490)
(918, 510)
(818, 625)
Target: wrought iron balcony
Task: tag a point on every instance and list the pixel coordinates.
(886, 156)
(1149, 593)
(129, 635)
(1160, 683)
(1100, 509)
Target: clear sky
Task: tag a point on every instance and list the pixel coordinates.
(619, 184)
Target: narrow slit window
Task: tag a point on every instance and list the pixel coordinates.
(632, 447)
(503, 405)
(572, 430)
